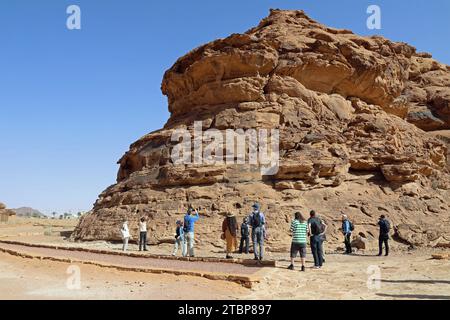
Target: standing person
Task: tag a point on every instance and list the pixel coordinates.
(179, 239)
(189, 220)
(257, 221)
(385, 227)
(143, 234)
(316, 231)
(230, 229)
(347, 228)
(125, 231)
(299, 230)
(245, 237)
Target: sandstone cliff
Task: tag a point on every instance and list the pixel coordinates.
(358, 120)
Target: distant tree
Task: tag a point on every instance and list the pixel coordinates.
(79, 214)
(61, 217)
(54, 214)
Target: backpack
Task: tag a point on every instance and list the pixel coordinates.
(187, 224)
(257, 220)
(321, 226)
(317, 227)
(384, 226)
(352, 227)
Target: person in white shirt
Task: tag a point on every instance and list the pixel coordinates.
(143, 234)
(125, 235)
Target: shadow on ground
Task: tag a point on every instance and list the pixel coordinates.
(414, 296)
(418, 281)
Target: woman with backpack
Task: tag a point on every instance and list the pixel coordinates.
(229, 234)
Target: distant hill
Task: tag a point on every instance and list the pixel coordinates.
(28, 212)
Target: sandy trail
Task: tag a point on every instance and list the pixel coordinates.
(47, 280)
(136, 262)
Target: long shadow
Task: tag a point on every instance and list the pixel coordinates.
(417, 281)
(414, 296)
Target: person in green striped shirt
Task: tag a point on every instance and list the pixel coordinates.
(299, 230)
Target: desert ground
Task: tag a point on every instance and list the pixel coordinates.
(405, 274)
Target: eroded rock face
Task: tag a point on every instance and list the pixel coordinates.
(350, 111)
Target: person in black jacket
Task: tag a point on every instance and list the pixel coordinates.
(316, 230)
(245, 237)
(384, 235)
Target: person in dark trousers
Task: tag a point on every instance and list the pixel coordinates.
(347, 231)
(245, 237)
(316, 230)
(143, 234)
(385, 227)
(179, 239)
(257, 221)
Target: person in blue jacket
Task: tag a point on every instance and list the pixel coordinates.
(347, 231)
(189, 221)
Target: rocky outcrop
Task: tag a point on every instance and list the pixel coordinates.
(428, 93)
(5, 213)
(350, 111)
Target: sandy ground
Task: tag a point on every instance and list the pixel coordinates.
(399, 276)
(24, 279)
(403, 275)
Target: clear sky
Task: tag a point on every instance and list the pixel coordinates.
(72, 101)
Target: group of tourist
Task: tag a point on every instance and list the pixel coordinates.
(256, 221)
(254, 226)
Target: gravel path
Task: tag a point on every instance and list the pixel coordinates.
(136, 262)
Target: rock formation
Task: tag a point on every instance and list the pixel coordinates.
(357, 118)
(5, 213)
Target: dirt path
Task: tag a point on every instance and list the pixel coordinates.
(245, 275)
(402, 275)
(47, 280)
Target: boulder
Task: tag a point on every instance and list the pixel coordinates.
(350, 112)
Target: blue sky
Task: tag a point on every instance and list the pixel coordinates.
(71, 102)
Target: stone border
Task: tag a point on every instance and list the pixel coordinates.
(245, 280)
(245, 262)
